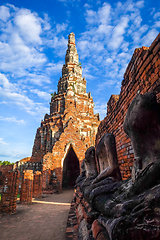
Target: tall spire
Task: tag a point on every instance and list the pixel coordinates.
(72, 71)
(71, 53)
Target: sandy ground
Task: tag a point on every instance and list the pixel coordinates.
(44, 219)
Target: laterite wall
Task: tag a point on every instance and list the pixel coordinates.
(142, 75)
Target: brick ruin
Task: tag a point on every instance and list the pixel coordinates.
(9, 191)
(60, 141)
(71, 126)
(131, 213)
(142, 75)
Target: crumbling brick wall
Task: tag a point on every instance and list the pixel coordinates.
(46, 177)
(37, 184)
(27, 187)
(142, 75)
(9, 192)
(3, 170)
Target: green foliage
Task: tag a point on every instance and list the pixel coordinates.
(79, 64)
(53, 94)
(73, 87)
(6, 163)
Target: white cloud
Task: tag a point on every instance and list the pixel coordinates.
(139, 4)
(87, 73)
(10, 92)
(41, 94)
(14, 152)
(2, 142)
(118, 33)
(46, 22)
(23, 38)
(16, 53)
(86, 5)
(12, 119)
(104, 13)
(5, 83)
(61, 27)
(109, 60)
(29, 26)
(157, 24)
(54, 67)
(4, 13)
(101, 108)
(157, 15)
(112, 33)
(105, 84)
(104, 29)
(149, 37)
(38, 79)
(91, 16)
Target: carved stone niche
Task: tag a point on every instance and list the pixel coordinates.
(142, 125)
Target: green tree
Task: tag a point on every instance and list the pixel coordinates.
(6, 163)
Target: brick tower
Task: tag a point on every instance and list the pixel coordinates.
(68, 131)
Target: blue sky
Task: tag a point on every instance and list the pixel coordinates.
(33, 43)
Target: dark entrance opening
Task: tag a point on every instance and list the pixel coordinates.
(70, 169)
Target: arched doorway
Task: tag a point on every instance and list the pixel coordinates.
(70, 169)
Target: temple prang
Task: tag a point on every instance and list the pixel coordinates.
(71, 127)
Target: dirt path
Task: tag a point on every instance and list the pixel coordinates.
(45, 219)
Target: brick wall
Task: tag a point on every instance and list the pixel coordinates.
(143, 75)
(37, 184)
(46, 177)
(9, 192)
(3, 170)
(27, 187)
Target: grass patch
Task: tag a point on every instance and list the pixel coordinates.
(18, 196)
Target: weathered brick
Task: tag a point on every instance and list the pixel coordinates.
(146, 78)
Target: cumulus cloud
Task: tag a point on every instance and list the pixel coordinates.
(28, 25)
(112, 33)
(23, 39)
(118, 33)
(25, 67)
(4, 13)
(104, 13)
